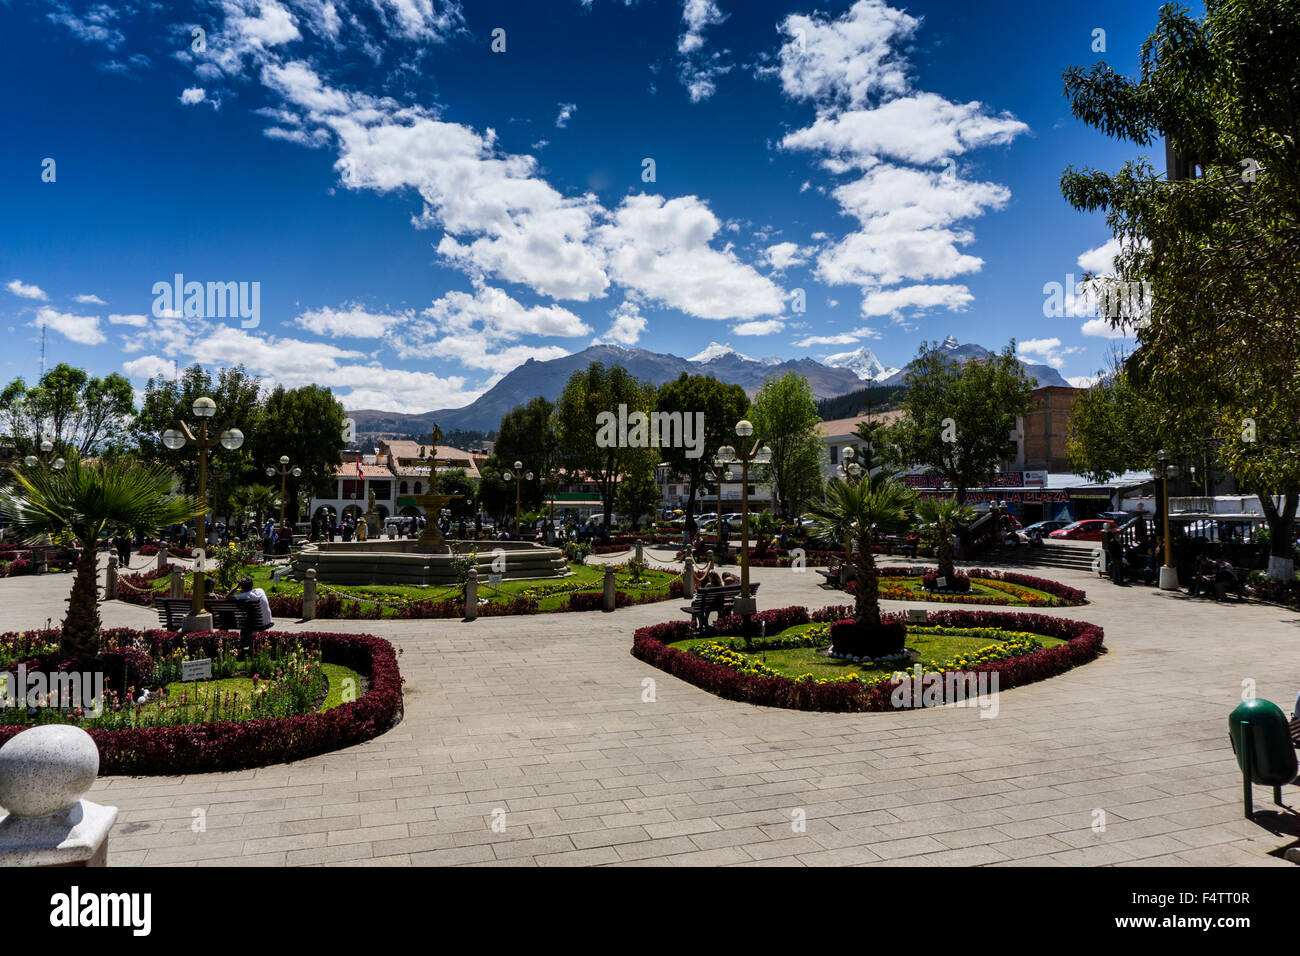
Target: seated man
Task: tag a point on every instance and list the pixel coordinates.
(260, 618)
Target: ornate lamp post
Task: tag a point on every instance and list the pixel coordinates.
(1168, 573)
(47, 447)
(176, 438)
(850, 471)
(759, 454)
(284, 471)
(518, 479)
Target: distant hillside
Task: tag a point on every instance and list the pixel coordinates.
(1043, 374)
(855, 403)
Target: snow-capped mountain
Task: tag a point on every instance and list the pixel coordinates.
(715, 350)
(863, 363)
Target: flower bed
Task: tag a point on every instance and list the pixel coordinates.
(235, 745)
(1010, 583)
(1083, 642)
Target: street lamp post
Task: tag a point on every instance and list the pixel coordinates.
(1168, 573)
(518, 479)
(850, 471)
(176, 438)
(47, 448)
(284, 471)
(759, 454)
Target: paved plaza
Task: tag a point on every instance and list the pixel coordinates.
(542, 717)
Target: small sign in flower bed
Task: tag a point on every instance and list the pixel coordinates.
(787, 663)
(158, 702)
(975, 586)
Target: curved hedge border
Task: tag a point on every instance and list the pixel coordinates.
(1068, 596)
(239, 745)
(650, 644)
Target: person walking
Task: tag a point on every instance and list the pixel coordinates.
(1115, 557)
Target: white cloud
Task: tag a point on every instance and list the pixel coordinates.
(148, 366)
(844, 338)
(566, 111)
(24, 291)
(89, 299)
(697, 71)
(137, 321)
(83, 329)
(192, 95)
(847, 59)
(94, 25)
(871, 123)
(954, 298)
(768, 327)
(627, 326)
(351, 321)
(1101, 328)
(783, 255)
(661, 249)
(1048, 351)
(1100, 261)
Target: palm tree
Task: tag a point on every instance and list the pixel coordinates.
(259, 499)
(863, 510)
(947, 517)
(79, 504)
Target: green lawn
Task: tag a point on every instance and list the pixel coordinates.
(583, 578)
(979, 587)
(943, 646)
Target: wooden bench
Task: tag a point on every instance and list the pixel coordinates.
(717, 599)
(227, 614)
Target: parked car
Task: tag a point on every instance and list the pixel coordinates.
(1041, 527)
(1121, 518)
(1090, 529)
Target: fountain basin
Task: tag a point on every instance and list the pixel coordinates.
(404, 561)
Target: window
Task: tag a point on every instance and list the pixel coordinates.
(835, 454)
(352, 488)
(401, 489)
(417, 488)
(383, 489)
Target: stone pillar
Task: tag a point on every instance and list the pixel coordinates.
(639, 554)
(110, 579)
(688, 577)
(43, 773)
(610, 596)
(309, 595)
(162, 556)
(471, 595)
(178, 584)
(40, 560)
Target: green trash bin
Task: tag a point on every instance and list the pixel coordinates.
(1261, 741)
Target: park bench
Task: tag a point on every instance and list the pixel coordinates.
(718, 599)
(227, 614)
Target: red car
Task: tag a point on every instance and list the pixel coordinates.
(1089, 530)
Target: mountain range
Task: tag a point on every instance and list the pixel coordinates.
(835, 375)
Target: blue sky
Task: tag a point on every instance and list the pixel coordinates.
(423, 214)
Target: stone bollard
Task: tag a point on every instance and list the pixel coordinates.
(110, 579)
(309, 596)
(639, 554)
(40, 560)
(610, 597)
(162, 557)
(178, 584)
(471, 595)
(43, 774)
(688, 577)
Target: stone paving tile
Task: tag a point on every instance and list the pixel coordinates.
(589, 775)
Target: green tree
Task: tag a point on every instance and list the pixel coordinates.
(863, 512)
(78, 413)
(495, 495)
(1216, 255)
(454, 481)
(528, 435)
(784, 415)
(306, 424)
(590, 395)
(722, 406)
(637, 494)
(959, 418)
(79, 504)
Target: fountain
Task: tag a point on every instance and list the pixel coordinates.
(428, 560)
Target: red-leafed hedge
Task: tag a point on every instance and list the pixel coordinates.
(238, 745)
(1083, 643)
(1069, 597)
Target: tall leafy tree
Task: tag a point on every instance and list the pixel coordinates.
(722, 406)
(306, 424)
(637, 493)
(528, 435)
(590, 392)
(784, 415)
(960, 418)
(1218, 254)
(79, 413)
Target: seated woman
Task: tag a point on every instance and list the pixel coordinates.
(712, 580)
(729, 578)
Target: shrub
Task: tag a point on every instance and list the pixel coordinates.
(237, 745)
(851, 639)
(955, 582)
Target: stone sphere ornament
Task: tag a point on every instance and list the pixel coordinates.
(46, 770)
